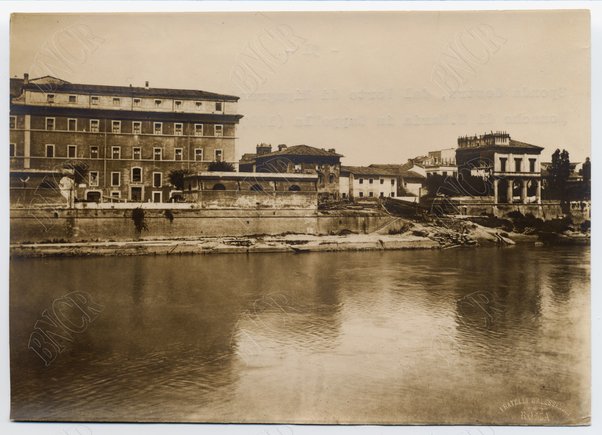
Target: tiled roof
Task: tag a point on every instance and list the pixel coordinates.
(248, 157)
(368, 170)
(400, 170)
(130, 91)
(302, 150)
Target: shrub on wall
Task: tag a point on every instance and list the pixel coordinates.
(139, 222)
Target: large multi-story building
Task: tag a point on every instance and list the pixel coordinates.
(128, 138)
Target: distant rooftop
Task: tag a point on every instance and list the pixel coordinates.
(497, 139)
(404, 170)
(302, 150)
(55, 84)
(368, 170)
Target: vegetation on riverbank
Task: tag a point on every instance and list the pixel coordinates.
(431, 233)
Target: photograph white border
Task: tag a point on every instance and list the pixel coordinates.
(6, 8)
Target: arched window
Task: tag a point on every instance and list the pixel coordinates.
(219, 186)
(256, 188)
(294, 188)
(331, 178)
(136, 175)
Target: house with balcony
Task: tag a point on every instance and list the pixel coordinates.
(514, 167)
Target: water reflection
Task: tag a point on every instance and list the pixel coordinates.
(359, 337)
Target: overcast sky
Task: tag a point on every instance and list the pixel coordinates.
(378, 87)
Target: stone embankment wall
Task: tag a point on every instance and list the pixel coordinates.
(71, 225)
(475, 206)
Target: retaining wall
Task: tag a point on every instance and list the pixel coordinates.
(70, 225)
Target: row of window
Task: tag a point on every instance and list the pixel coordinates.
(136, 102)
(371, 181)
(136, 153)
(218, 129)
(136, 195)
(136, 176)
(518, 164)
(371, 194)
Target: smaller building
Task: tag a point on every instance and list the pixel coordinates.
(367, 182)
(411, 178)
(247, 161)
(303, 159)
(240, 190)
(441, 162)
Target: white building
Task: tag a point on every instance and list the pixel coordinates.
(367, 182)
(441, 162)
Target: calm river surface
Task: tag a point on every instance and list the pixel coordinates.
(467, 335)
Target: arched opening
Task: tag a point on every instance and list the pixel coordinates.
(219, 186)
(256, 188)
(502, 191)
(331, 178)
(294, 188)
(532, 188)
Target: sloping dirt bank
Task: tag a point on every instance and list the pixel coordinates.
(441, 234)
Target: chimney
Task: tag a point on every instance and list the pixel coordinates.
(263, 148)
(331, 150)
(146, 84)
(281, 147)
(26, 78)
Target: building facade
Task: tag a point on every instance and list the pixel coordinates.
(304, 159)
(441, 162)
(513, 166)
(367, 182)
(411, 178)
(128, 138)
(246, 190)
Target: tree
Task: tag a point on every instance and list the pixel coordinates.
(558, 175)
(433, 184)
(586, 170)
(466, 185)
(586, 185)
(221, 167)
(80, 171)
(176, 177)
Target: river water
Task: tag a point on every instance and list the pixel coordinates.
(485, 335)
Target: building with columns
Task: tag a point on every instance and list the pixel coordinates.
(129, 138)
(513, 166)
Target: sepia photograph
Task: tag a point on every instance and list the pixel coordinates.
(327, 218)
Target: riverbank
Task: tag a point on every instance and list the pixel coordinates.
(396, 234)
(445, 234)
